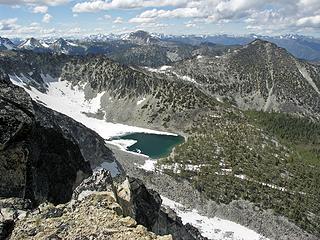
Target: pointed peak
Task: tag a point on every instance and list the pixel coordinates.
(259, 42)
(262, 43)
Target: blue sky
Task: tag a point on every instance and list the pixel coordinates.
(43, 18)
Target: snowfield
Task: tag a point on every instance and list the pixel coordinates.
(71, 101)
(212, 228)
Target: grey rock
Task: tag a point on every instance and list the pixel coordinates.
(100, 181)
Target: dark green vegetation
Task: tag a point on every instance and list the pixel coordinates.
(153, 145)
(302, 134)
(234, 157)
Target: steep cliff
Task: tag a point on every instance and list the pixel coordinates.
(37, 161)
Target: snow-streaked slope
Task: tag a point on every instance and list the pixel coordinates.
(5, 42)
(212, 228)
(71, 101)
(30, 44)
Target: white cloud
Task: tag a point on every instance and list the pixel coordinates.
(313, 21)
(100, 5)
(256, 15)
(40, 9)
(152, 26)
(141, 20)
(34, 2)
(46, 18)
(8, 24)
(190, 25)
(32, 29)
(259, 15)
(107, 17)
(118, 20)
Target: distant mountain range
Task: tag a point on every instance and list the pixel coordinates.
(140, 47)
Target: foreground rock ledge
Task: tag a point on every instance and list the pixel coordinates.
(97, 216)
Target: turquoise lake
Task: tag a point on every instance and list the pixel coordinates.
(153, 145)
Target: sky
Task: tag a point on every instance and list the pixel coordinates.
(46, 18)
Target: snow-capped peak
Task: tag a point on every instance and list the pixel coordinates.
(6, 43)
(31, 43)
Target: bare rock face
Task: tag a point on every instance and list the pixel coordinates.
(37, 161)
(92, 145)
(146, 202)
(6, 228)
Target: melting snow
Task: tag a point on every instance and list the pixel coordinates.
(307, 76)
(212, 228)
(186, 78)
(164, 68)
(159, 70)
(123, 144)
(149, 165)
(64, 98)
(72, 44)
(141, 101)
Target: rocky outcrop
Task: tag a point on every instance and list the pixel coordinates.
(100, 181)
(37, 161)
(146, 203)
(97, 216)
(138, 202)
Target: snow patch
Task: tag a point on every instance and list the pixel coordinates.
(186, 78)
(141, 101)
(72, 44)
(124, 143)
(165, 68)
(219, 99)
(162, 69)
(306, 75)
(149, 165)
(70, 100)
(212, 228)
